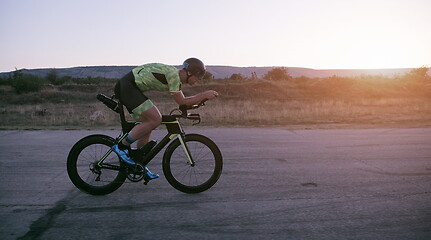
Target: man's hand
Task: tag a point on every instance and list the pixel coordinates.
(180, 99)
(210, 94)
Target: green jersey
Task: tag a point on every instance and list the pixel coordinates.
(157, 76)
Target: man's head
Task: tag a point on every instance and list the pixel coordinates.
(194, 67)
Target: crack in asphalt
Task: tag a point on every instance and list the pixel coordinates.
(43, 223)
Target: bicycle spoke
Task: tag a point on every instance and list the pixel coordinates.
(90, 156)
(202, 170)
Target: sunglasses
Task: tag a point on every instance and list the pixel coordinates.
(200, 75)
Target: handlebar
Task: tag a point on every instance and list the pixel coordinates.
(192, 116)
(184, 108)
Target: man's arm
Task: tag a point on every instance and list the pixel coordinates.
(180, 99)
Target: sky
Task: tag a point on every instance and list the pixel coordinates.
(319, 34)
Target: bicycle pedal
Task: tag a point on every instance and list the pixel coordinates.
(147, 180)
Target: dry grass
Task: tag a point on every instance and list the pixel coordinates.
(250, 103)
(357, 111)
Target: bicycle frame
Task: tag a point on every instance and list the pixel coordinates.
(174, 130)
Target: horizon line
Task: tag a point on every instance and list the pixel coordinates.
(318, 69)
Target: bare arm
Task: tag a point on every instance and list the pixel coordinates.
(180, 99)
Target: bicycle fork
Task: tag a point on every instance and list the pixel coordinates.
(181, 137)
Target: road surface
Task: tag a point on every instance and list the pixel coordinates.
(276, 184)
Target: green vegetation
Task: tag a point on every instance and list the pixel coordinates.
(28, 101)
(278, 74)
(23, 83)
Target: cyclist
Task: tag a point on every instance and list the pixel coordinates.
(160, 77)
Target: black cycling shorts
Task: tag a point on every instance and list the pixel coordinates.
(131, 97)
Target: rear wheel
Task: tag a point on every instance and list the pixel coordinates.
(200, 177)
(84, 172)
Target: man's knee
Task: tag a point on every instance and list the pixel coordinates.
(153, 118)
(155, 121)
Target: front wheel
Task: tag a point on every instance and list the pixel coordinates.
(84, 172)
(203, 174)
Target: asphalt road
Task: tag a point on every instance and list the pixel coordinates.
(276, 184)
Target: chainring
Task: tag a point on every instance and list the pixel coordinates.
(136, 173)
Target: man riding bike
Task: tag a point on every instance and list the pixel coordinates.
(160, 77)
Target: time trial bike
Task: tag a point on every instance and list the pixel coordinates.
(191, 163)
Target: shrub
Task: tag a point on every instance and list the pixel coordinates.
(52, 77)
(4, 81)
(278, 73)
(236, 76)
(418, 75)
(23, 83)
(94, 80)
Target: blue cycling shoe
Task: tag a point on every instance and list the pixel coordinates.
(123, 154)
(149, 175)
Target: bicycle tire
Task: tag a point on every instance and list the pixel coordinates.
(81, 159)
(192, 179)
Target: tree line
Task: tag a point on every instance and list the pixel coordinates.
(282, 74)
(23, 82)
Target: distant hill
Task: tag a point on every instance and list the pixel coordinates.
(217, 71)
(226, 71)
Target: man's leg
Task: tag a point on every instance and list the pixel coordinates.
(150, 119)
